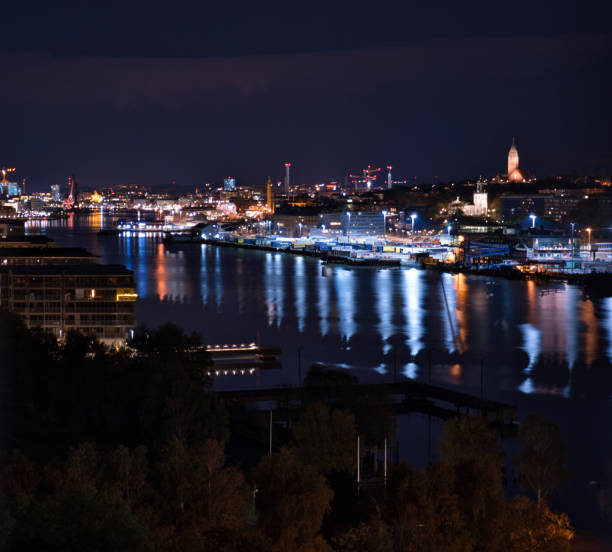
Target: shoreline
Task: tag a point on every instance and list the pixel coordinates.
(593, 283)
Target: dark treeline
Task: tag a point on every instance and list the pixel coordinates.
(130, 450)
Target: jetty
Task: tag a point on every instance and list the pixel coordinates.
(403, 396)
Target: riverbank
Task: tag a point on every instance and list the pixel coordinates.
(592, 282)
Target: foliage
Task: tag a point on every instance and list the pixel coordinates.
(533, 528)
(473, 452)
(78, 519)
(373, 536)
(125, 450)
(541, 463)
(424, 513)
(326, 439)
(292, 499)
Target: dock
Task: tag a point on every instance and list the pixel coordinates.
(405, 397)
(242, 359)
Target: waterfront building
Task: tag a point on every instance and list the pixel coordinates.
(364, 223)
(97, 300)
(295, 222)
(10, 227)
(16, 240)
(37, 256)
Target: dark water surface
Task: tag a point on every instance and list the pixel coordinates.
(546, 349)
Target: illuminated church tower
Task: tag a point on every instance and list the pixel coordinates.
(513, 159)
(514, 175)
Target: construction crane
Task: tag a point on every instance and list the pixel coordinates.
(367, 177)
(4, 182)
(390, 181)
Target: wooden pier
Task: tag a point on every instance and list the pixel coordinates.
(404, 397)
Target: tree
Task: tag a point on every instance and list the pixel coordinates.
(473, 452)
(202, 491)
(78, 519)
(424, 513)
(534, 528)
(175, 469)
(223, 495)
(292, 500)
(126, 474)
(326, 439)
(373, 536)
(542, 461)
(21, 476)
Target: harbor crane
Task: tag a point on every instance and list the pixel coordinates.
(71, 200)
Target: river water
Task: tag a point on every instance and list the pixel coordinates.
(545, 348)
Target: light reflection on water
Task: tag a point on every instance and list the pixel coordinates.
(345, 291)
(363, 317)
(413, 312)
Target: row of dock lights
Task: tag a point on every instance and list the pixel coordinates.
(234, 346)
(241, 372)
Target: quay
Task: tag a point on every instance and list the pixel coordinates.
(591, 281)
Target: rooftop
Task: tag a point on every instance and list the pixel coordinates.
(45, 252)
(70, 270)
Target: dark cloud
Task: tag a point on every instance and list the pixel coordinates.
(186, 83)
(446, 107)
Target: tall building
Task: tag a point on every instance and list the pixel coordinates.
(229, 184)
(269, 202)
(55, 192)
(287, 178)
(514, 175)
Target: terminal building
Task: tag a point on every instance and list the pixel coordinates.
(364, 223)
(97, 300)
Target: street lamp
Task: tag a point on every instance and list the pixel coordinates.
(413, 216)
(348, 229)
(572, 224)
(300, 225)
(533, 219)
(384, 214)
(589, 231)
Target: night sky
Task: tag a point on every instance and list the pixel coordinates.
(156, 92)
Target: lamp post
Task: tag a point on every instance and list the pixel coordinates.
(589, 231)
(413, 216)
(384, 214)
(533, 219)
(572, 224)
(300, 225)
(348, 229)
